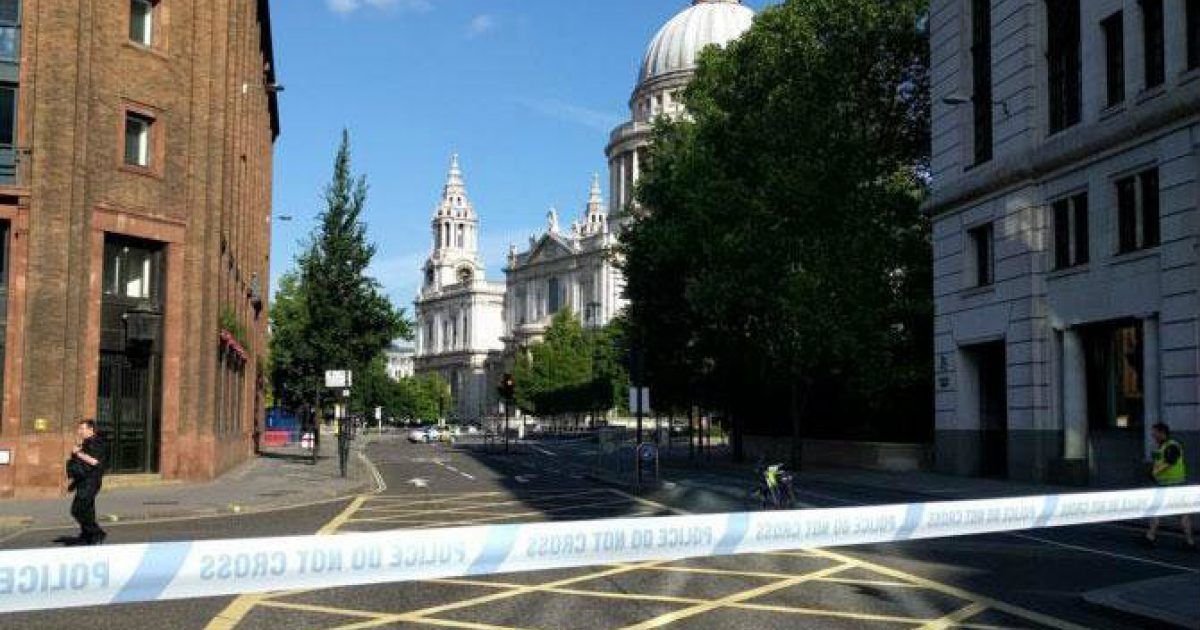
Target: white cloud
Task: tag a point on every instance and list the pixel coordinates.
(480, 24)
(603, 121)
(346, 7)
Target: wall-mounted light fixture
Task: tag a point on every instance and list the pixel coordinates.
(956, 99)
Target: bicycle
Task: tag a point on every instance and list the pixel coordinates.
(774, 489)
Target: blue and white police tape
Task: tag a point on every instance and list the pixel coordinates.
(35, 579)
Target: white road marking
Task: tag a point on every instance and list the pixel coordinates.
(1100, 552)
(543, 451)
(419, 482)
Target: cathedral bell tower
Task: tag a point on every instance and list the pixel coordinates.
(455, 258)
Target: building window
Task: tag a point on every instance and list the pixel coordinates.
(137, 139)
(4, 232)
(1193, 34)
(1063, 63)
(1114, 372)
(1154, 43)
(1137, 212)
(141, 22)
(1114, 57)
(130, 271)
(8, 115)
(981, 67)
(553, 296)
(982, 245)
(10, 30)
(1071, 231)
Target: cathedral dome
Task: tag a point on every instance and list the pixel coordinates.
(706, 22)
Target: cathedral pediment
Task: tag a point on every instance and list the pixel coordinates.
(550, 247)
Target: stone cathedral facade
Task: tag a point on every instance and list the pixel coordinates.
(470, 330)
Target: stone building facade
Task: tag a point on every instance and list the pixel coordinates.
(458, 312)
(136, 145)
(1066, 160)
(574, 270)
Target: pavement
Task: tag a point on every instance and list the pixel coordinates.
(1028, 580)
(280, 479)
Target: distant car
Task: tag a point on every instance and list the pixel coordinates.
(424, 436)
(470, 429)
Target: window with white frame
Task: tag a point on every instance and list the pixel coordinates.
(137, 139)
(141, 22)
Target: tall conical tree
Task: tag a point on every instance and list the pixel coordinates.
(350, 320)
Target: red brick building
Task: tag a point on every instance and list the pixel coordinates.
(136, 143)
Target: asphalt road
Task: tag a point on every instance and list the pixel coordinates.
(986, 582)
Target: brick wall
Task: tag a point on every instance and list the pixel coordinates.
(206, 197)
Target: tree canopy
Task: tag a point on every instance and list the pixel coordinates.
(574, 370)
(330, 313)
(782, 264)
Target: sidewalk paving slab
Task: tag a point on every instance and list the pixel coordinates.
(282, 479)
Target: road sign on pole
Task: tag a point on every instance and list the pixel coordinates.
(645, 399)
(339, 379)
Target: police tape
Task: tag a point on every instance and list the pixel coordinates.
(39, 579)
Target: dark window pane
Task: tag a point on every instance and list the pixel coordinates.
(1082, 243)
(1062, 234)
(1155, 45)
(1193, 34)
(981, 59)
(10, 11)
(1150, 229)
(1126, 215)
(4, 231)
(1063, 63)
(1114, 48)
(981, 241)
(8, 115)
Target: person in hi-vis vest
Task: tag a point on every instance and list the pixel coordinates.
(1168, 469)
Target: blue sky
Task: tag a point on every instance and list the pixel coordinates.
(525, 91)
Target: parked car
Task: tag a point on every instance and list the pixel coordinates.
(424, 435)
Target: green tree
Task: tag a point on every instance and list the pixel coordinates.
(573, 371)
(292, 364)
(335, 314)
(785, 257)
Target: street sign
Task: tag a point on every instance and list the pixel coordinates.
(379, 413)
(339, 379)
(306, 441)
(647, 452)
(633, 399)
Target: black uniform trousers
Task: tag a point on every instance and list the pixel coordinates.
(83, 509)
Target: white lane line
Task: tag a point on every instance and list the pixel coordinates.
(453, 469)
(1100, 552)
(543, 451)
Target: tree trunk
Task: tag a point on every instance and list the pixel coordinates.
(735, 435)
(797, 439)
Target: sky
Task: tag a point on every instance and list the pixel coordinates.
(525, 91)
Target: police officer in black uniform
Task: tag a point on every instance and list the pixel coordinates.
(86, 469)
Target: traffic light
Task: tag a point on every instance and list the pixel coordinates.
(508, 387)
